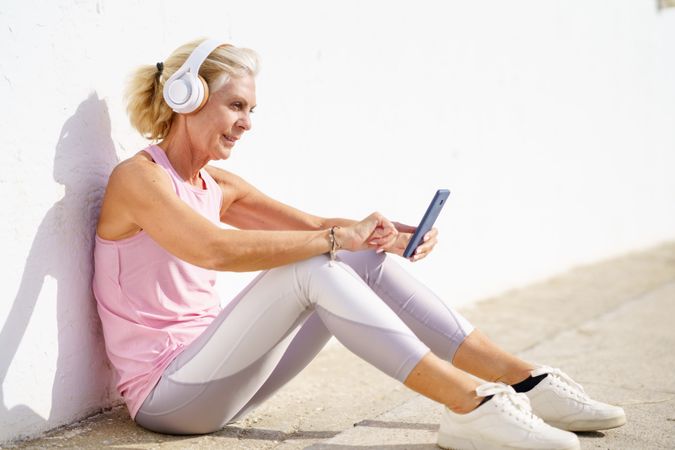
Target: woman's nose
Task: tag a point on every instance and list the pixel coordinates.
(245, 122)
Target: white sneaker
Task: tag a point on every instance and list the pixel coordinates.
(563, 403)
(504, 422)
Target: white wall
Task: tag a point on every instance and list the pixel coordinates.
(551, 122)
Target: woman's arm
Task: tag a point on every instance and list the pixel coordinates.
(247, 208)
(143, 195)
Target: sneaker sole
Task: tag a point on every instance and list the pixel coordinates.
(457, 443)
(589, 425)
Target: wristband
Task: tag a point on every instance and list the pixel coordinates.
(334, 244)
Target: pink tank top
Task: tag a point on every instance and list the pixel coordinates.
(152, 304)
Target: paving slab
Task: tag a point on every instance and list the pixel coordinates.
(610, 325)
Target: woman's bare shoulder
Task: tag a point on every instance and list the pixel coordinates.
(137, 171)
(132, 179)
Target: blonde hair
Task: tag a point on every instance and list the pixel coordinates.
(149, 113)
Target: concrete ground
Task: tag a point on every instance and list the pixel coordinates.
(609, 325)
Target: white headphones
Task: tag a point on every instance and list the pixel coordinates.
(185, 91)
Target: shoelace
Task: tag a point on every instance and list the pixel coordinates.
(563, 379)
(508, 396)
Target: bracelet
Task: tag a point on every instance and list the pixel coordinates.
(334, 244)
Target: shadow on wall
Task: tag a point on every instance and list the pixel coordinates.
(63, 249)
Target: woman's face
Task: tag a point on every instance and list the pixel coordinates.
(215, 128)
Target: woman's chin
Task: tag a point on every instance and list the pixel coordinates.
(222, 152)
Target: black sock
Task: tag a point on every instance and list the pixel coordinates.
(523, 386)
(485, 399)
(528, 383)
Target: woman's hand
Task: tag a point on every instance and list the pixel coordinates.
(405, 233)
(373, 232)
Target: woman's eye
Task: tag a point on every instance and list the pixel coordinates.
(236, 106)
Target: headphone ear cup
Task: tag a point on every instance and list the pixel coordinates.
(184, 94)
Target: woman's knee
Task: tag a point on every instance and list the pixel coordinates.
(365, 262)
(361, 261)
(312, 262)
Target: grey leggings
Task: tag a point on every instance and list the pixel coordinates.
(279, 323)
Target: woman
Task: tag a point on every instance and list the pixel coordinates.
(187, 366)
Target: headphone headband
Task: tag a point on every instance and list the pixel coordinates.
(183, 91)
(197, 58)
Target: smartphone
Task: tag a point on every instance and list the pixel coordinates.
(427, 221)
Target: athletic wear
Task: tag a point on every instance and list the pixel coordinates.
(152, 304)
(186, 366)
(561, 402)
(504, 422)
(276, 326)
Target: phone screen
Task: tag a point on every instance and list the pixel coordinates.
(427, 221)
